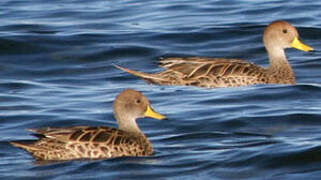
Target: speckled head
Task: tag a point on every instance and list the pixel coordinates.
(281, 35)
(131, 104)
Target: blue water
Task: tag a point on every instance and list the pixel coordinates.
(56, 70)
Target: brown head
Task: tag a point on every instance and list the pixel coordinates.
(130, 105)
(280, 35)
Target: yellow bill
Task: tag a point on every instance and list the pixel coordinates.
(151, 113)
(296, 43)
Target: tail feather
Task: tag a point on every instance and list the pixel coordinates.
(27, 145)
(150, 78)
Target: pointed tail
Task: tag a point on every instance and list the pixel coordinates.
(27, 145)
(150, 78)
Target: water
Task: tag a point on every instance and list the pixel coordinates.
(56, 70)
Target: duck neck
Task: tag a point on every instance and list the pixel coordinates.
(128, 124)
(279, 63)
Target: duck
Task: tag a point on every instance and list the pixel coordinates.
(102, 142)
(220, 72)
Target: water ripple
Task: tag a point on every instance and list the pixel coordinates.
(56, 70)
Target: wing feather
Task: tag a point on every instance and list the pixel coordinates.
(194, 67)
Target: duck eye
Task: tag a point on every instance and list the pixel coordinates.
(138, 101)
(284, 31)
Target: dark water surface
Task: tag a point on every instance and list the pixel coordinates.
(56, 70)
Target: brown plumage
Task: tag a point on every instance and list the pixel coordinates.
(83, 142)
(219, 72)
